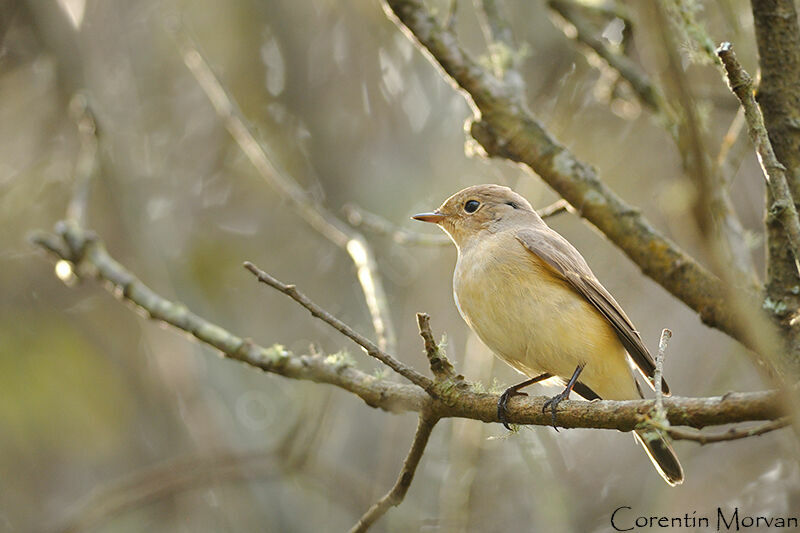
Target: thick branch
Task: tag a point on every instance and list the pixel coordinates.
(507, 130)
(458, 399)
(395, 496)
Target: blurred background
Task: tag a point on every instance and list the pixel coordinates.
(110, 422)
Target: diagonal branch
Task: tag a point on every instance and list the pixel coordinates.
(505, 129)
(395, 496)
(371, 348)
(316, 215)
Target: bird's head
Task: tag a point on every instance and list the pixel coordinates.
(478, 209)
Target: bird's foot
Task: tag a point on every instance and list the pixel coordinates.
(552, 404)
(503, 402)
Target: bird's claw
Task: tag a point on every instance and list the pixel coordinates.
(502, 403)
(552, 403)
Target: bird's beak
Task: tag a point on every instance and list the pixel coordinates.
(434, 217)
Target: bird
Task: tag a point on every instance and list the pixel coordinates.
(532, 299)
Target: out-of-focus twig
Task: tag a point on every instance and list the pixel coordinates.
(358, 217)
(713, 208)
(731, 434)
(649, 93)
(316, 215)
(504, 54)
(86, 164)
(395, 496)
(155, 483)
(774, 172)
(730, 138)
(371, 348)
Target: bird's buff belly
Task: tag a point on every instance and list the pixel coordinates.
(546, 327)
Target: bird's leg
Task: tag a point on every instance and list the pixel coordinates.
(553, 402)
(514, 391)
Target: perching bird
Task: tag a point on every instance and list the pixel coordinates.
(532, 299)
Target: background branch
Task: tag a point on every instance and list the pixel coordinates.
(316, 215)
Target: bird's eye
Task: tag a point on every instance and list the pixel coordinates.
(471, 206)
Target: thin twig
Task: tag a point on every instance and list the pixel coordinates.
(371, 348)
(783, 207)
(731, 434)
(504, 55)
(395, 496)
(316, 215)
(441, 367)
(666, 335)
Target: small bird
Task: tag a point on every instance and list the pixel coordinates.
(531, 298)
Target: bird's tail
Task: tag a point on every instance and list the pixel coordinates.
(662, 455)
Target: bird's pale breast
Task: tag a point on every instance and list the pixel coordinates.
(533, 320)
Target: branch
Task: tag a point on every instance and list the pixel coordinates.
(783, 206)
(371, 348)
(86, 253)
(317, 216)
(395, 496)
(505, 129)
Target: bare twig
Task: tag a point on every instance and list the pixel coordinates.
(317, 216)
(731, 434)
(774, 172)
(395, 496)
(371, 348)
(440, 365)
(659, 372)
(358, 217)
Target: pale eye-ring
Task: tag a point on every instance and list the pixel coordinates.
(471, 206)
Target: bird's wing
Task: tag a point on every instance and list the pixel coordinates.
(556, 252)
